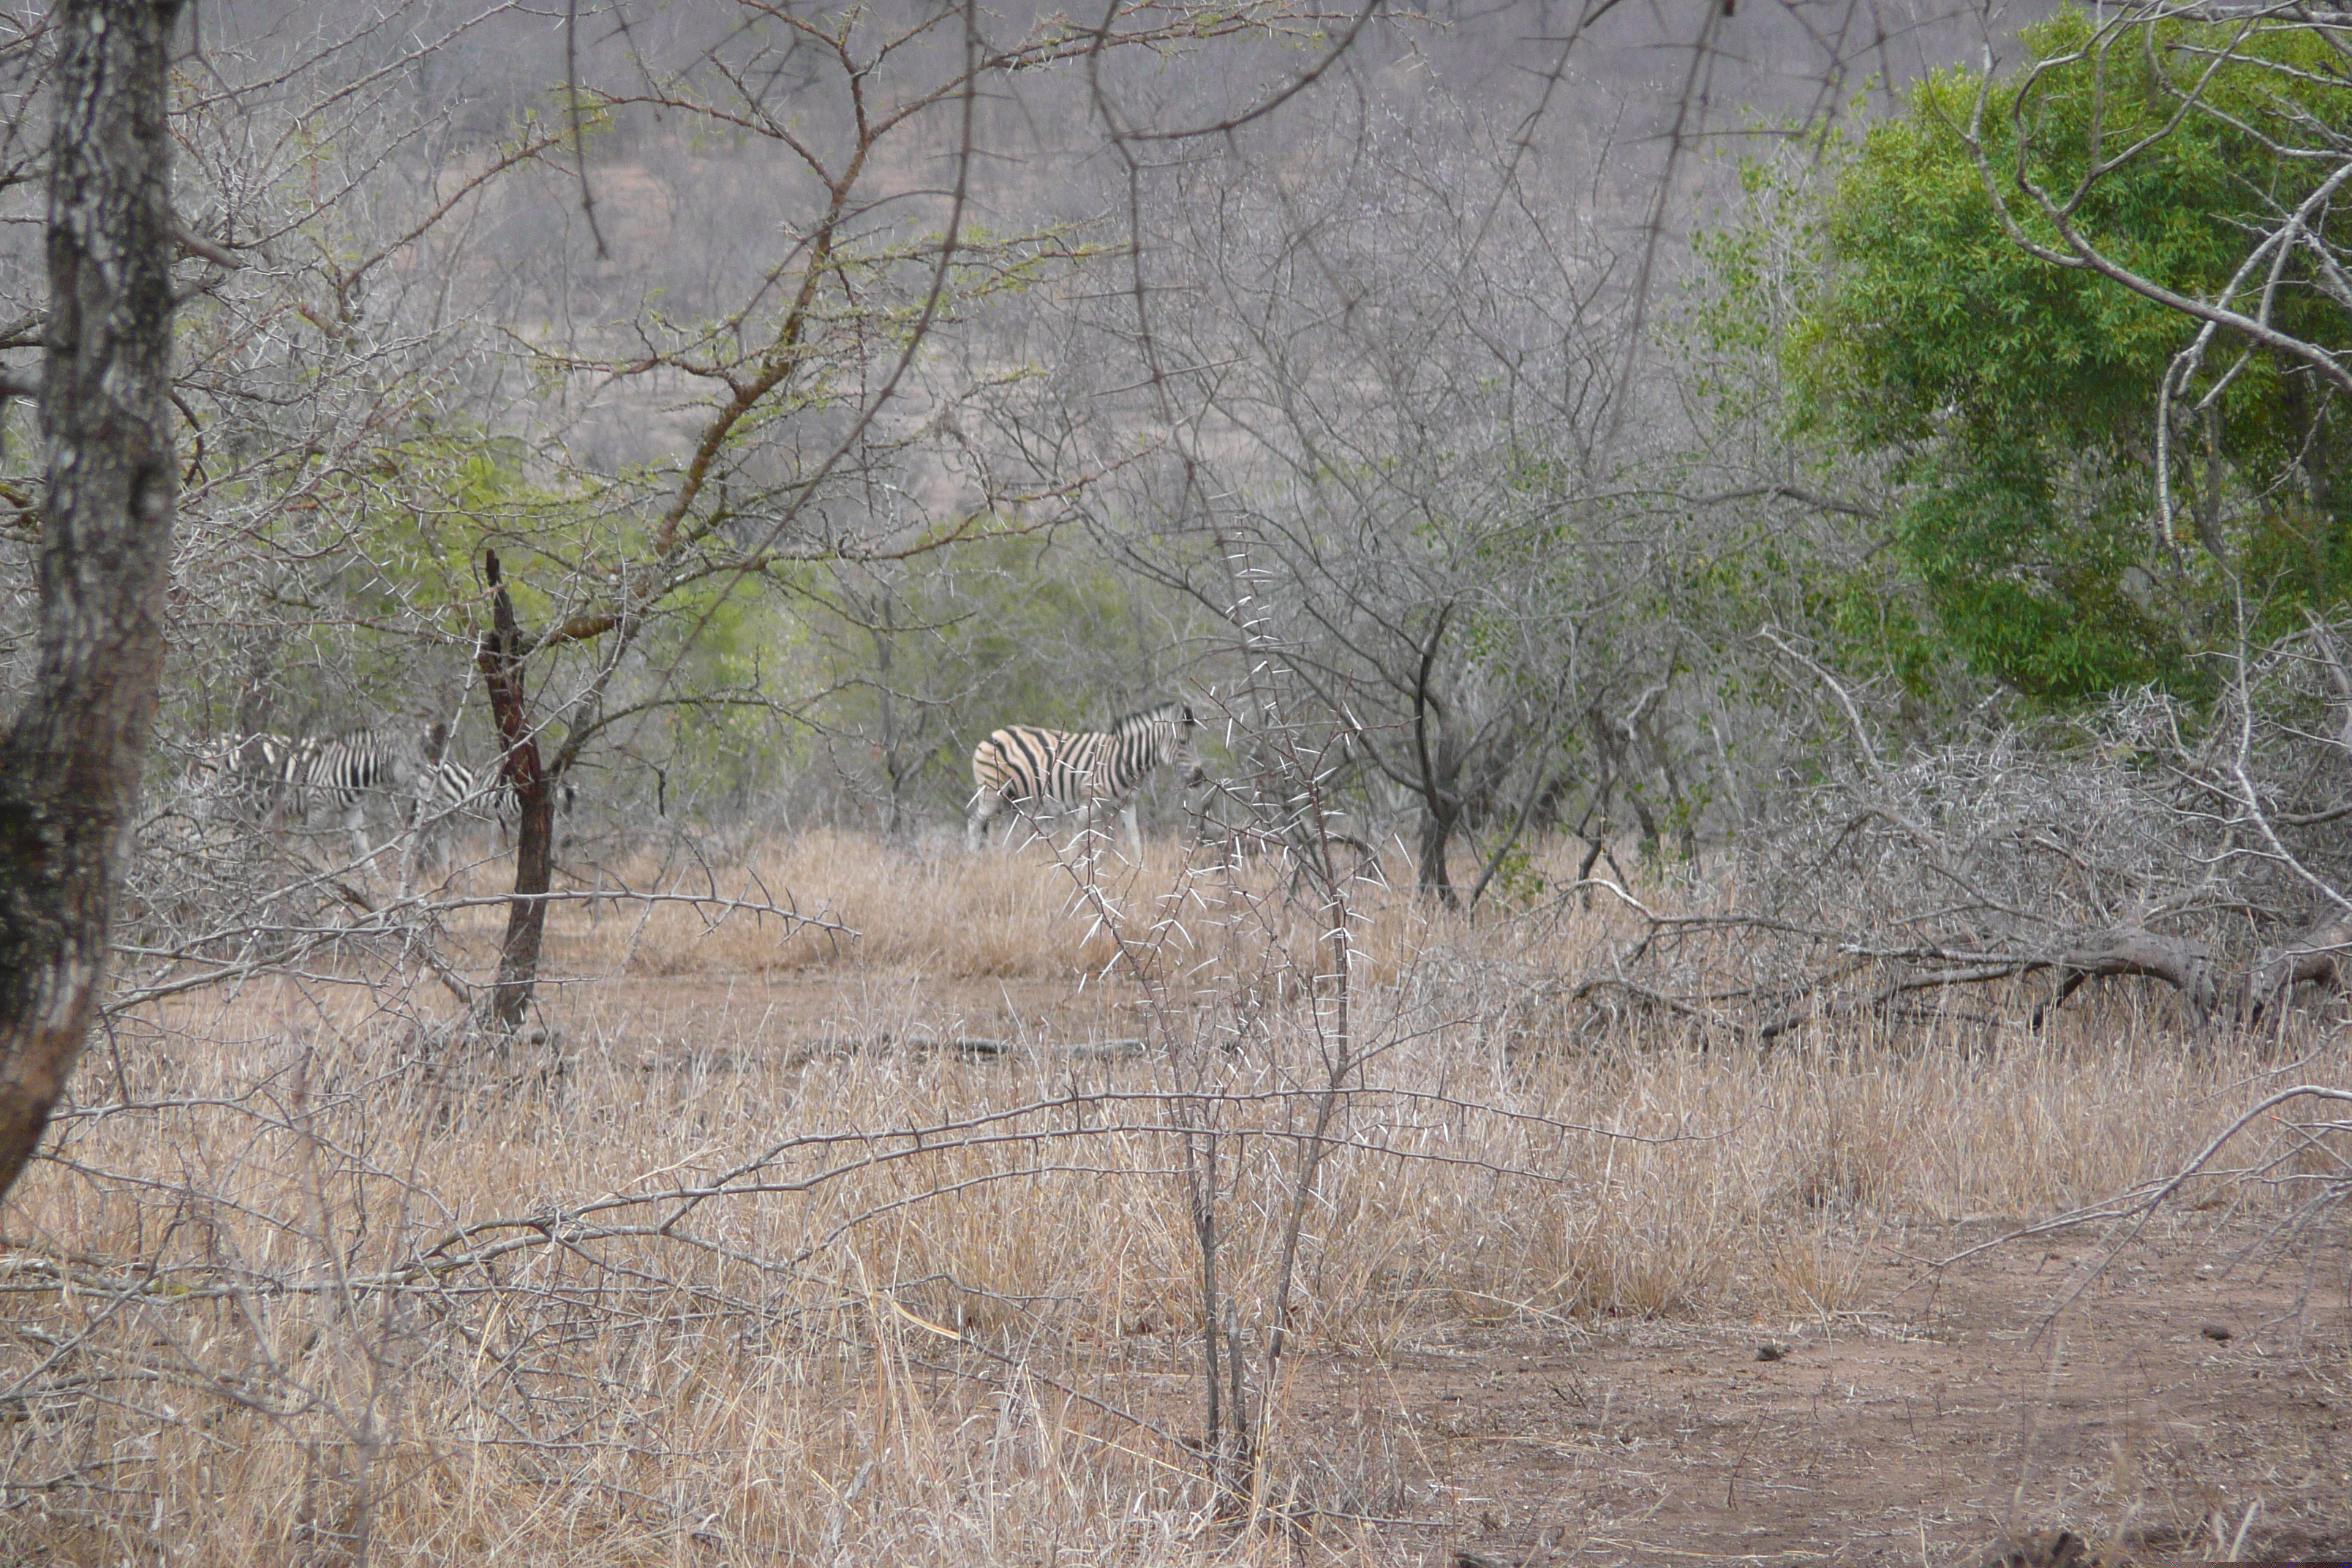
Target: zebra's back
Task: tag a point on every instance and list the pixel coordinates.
(449, 787)
(340, 769)
(1024, 762)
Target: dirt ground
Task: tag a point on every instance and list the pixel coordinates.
(1913, 1431)
(2203, 1371)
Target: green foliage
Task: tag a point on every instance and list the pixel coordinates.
(2018, 399)
(1518, 881)
(1824, 576)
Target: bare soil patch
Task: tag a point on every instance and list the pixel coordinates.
(1915, 1431)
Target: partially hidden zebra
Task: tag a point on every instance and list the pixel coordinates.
(265, 778)
(342, 772)
(241, 775)
(448, 789)
(1093, 772)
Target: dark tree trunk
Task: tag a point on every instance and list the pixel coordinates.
(500, 656)
(1431, 873)
(1440, 769)
(70, 760)
(1651, 841)
(884, 633)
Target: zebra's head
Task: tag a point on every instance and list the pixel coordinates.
(1169, 726)
(1188, 761)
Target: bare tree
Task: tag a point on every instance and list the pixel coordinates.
(1387, 405)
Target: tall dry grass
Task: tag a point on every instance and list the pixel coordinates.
(1029, 911)
(300, 1284)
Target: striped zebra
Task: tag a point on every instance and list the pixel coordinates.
(343, 771)
(1094, 772)
(448, 790)
(264, 777)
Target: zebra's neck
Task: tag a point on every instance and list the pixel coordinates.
(1161, 720)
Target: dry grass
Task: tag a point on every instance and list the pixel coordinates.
(1024, 912)
(981, 917)
(295, 1288)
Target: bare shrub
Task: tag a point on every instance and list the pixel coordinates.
(2198, 849)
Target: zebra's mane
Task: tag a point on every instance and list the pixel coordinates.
(1158, 714)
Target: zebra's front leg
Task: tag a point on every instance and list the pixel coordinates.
(977, 816)
(355, 824)
(1134, 834)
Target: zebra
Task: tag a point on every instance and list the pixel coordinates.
(447, 790)
(1096, 771)
(343, 771)
(263, 775)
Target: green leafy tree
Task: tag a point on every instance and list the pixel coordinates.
(2094, 481)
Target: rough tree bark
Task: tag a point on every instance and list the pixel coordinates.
(70, 760)
(500, 654)
(2185, 965)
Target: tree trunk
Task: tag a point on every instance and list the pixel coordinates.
(499, 655)
(1440, 770)
(1431, 873)
(70, 760)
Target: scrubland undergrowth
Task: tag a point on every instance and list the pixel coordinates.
(305, 1280)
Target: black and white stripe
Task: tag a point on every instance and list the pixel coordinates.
(449, 789)
(263, 778)
(450, 796)
(340, 775)
(1095, 771)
